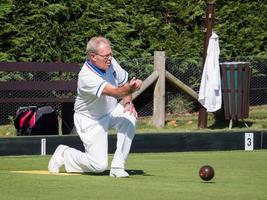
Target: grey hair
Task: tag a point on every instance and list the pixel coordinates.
(94, 44)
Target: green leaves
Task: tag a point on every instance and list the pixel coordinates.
(242, 28)
(58, 30)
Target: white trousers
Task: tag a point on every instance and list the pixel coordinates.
(94, 135)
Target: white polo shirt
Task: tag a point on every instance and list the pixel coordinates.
(91, 82)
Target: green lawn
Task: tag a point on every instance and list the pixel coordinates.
(188, 122)
(239, 175)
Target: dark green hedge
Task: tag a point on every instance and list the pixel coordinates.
(57, 30)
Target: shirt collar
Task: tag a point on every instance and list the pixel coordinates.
(95, 69)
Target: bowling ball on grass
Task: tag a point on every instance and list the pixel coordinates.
(206, 172)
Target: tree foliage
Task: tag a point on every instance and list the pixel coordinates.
(57, 30)
(242, 27)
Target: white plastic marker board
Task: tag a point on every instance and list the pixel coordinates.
(43, 146)
(249, 141)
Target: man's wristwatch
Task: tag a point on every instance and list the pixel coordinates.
(129, 102)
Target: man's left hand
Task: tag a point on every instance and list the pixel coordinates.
(131, 109)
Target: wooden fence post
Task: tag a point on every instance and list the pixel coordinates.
(158, 119)
(209, 22)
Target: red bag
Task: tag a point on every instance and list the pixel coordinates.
(32, 120)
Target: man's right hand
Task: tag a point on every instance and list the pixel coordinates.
(127, 89)
(135, 84)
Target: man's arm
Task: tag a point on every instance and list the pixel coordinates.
(127, 100)
(123, 91)
(129, 106)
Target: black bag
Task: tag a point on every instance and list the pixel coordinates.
(32, 120)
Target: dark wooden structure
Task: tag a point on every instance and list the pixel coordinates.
(236, 78)
(41, 83)
(208, 26)
(143, 143)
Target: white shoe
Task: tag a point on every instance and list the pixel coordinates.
(118, 173)
(57, 159)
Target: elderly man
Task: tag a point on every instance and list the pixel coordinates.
(101, 83)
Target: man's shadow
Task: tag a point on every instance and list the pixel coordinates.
(131, 172)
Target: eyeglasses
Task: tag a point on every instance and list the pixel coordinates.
(105, 57)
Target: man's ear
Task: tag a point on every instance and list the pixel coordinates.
(92, 57)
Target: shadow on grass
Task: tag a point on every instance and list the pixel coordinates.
(220, 123)
(132, 172)
(208, 182)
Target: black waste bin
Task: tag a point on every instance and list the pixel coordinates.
(236, 78)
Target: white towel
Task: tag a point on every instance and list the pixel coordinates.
(210, 94)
